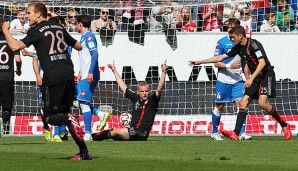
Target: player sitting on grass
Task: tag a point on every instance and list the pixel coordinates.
(145, 106)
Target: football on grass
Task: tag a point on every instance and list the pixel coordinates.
(125, 119)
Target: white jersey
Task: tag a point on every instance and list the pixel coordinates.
(230, 76)
(247, 26)
(224, 75)
(88, 42)
(16, 24)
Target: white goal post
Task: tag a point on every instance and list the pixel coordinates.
(188, 98)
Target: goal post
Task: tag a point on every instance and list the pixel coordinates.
(188, 98)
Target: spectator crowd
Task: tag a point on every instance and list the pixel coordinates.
(256, 16)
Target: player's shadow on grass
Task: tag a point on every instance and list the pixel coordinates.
(68, 158)
(25, 143)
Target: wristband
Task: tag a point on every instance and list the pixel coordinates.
(228, 65)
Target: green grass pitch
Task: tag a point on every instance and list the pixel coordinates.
(157, 154)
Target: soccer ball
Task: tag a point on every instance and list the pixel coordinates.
(125, 119)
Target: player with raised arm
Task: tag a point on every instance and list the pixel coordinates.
(145, 105)
(260, 85)
(51, 41)
(88, 76)
(229, 84)
(7, 79)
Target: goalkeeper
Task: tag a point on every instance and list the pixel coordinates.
(260, 85)
(145, 106)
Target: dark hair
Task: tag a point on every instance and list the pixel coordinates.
(55, 19)
(234, 21)
(40, 7)
(61, 20)
(238, 30)
(270, 15)
(85, 20)
(2, 20)
(281, 4)
(21, 10)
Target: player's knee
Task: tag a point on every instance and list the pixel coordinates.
(217, 111)
(76, 103)
(243, 104)
(6, 114)
(263, 104)
(219, 106)
(85, 107)
(46, 119)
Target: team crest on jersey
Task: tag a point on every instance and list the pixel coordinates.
(83, 93)
(137, 105)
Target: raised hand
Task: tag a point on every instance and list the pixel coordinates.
(112, 66)
(164, 67)
(5, 25)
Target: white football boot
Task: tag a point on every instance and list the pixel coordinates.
(216, 137)
(243, 136)
(87, 137)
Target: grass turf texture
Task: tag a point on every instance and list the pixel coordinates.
(158, 153)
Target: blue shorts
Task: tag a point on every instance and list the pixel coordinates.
(85, 90)
(229, 92)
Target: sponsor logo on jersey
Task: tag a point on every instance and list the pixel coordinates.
(216, 49)
(83, 93)
(259, 53)
(91, 45)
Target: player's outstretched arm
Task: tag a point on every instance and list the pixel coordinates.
(161, 83)
(78, 46)
(234, 65)
(119, 80)
(209, 60)
(12, 43)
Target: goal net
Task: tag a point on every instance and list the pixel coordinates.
(187, 100)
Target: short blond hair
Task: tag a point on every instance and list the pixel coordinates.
(142, 84)
(72, 11)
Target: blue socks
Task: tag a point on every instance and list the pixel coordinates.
(59, 129)
(87, 115)
(216, 114)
